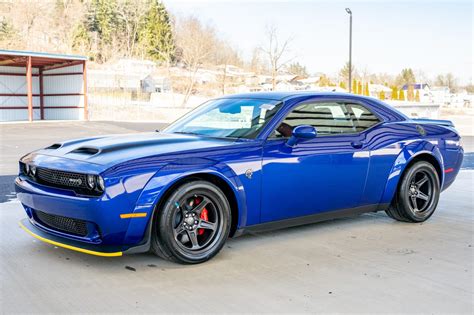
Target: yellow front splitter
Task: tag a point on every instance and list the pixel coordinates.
(75, 248)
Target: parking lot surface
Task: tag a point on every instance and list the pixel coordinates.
(368, 263)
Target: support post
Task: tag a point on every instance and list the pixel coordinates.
(84, 77)
(41, 93)
(29, 84)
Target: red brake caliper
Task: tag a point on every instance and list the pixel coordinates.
(204, 215)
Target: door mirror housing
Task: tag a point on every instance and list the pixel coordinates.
(302, 132)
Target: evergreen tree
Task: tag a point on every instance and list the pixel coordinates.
(156, 36)
(417, 96)
(359, 88)
(342, 85)
(102, 18)
(102, 21)
(406, 77)
(297, 69)
(82, 40)
(401, 95)
(344, 73)
(382, 95)
(366, 90)
(6, 30)
(8, 35)
(394, 93)
(411, 93)
(324, 81)
(354, 86)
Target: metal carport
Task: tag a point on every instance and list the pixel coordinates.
(44, 86)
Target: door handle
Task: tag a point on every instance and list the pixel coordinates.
(357, 144)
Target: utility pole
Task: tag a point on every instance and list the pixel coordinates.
(350, 48)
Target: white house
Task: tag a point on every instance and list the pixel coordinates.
(376, 89)
(423, 89)
(440, 95)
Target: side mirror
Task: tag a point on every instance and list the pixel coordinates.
(302, 132)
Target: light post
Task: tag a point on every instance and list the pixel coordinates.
(350, 48)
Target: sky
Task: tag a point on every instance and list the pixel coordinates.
(432, 37)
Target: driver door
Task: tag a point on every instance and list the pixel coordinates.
(316, 175)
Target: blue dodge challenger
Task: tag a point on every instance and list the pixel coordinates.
(239, 163)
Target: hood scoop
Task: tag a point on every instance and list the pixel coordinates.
(53, 146)
(85, 151)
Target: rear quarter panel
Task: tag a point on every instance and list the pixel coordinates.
(394, 145)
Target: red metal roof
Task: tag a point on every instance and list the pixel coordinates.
(14, 58)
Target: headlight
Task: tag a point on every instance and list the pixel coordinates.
(91, 181)
(27, 169)
(33, 170)
(95, 182)
(100, 183)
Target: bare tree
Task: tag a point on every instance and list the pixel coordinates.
(344, 72)
(448, 80)
(131, 14)
(196, 43)
(257, 64)
(29, 22)
(68, 16)
(276, 51)
(225, 56)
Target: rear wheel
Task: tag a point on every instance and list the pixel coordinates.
(417, 195)
(193, 224)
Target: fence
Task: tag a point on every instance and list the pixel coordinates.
(126, 106)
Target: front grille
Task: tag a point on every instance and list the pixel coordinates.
(60, 178)
(65, 180)
(62, 224)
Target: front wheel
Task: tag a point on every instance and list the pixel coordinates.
(193, 224)
(417, 195)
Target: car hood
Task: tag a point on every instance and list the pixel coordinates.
(115, 149)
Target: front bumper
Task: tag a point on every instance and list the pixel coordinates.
(77, 246)
(113, 224)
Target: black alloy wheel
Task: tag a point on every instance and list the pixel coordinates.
(420, 191)
(193, 224)
(417, 195)
(196, 221)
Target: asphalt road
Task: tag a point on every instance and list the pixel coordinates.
(369, 263)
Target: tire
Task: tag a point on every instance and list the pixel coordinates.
(193, 224)
(418, 194)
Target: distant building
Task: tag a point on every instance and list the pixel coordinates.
(155, 84)
(376, 89)
(125, 75)
(423, 89)
(109, 79)
(440, 95)
(134, 65)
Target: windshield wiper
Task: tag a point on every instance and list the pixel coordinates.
(204, 135)
(188, 133)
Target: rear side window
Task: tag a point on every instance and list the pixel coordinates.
(362, 117)
(328, 118)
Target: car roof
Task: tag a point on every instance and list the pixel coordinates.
(280, 96)
(393, 115)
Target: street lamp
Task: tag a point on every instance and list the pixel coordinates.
(350, 48)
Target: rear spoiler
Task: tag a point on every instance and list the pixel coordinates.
(439, 122)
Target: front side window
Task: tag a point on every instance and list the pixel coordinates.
(328, 118)
(227, 118)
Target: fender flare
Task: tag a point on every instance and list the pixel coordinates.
(164, 179)
(404, 158)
